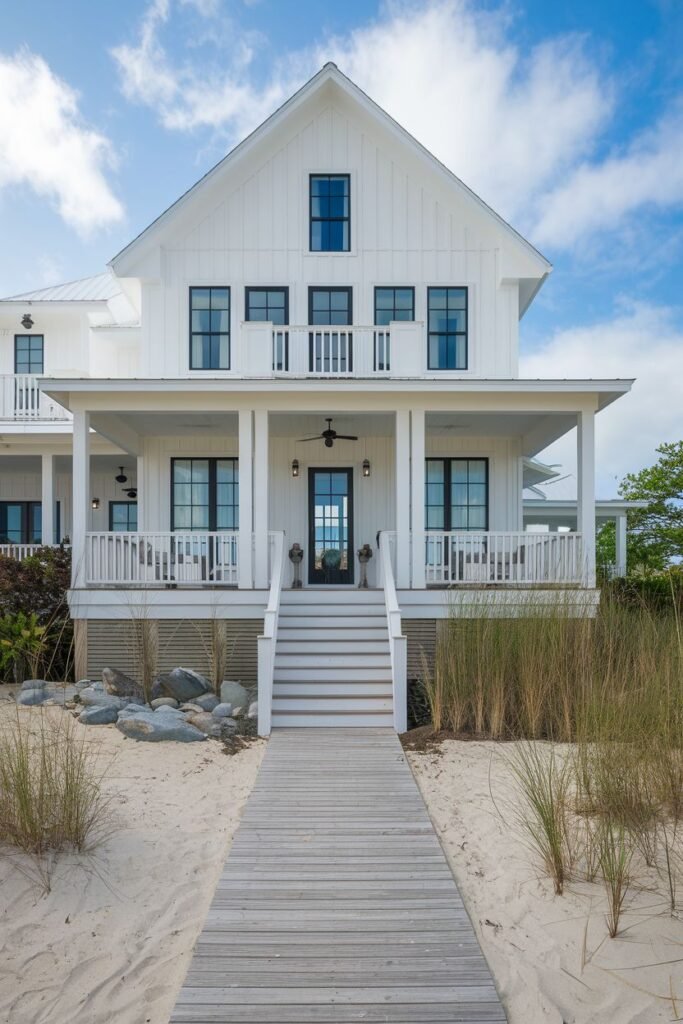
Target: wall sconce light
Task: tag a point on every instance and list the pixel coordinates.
(295, 467)
(95, 503)
(27, 321)
(366, 467)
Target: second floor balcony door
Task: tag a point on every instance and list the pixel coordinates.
(331, 346)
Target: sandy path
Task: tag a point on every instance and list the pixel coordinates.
(112, 940)
(533, 939)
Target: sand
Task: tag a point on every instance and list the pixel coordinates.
(113, 938)
(534, 940)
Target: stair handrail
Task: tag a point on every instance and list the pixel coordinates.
(267, 640)
(398, 643)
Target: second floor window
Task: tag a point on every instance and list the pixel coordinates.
(209, 328)
(28, 353)
(330, 212)
(394, 304)
(447, 329)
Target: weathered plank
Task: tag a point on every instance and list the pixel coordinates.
(336, 903)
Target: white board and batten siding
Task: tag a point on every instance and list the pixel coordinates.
(408, 227)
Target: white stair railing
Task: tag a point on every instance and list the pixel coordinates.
(267, 641)
(398, 643)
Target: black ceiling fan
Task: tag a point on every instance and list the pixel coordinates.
(329, 436)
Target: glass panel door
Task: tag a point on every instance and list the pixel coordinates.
(330, 528)
(330, 350)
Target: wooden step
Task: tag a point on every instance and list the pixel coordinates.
(327, 689)
(352, 634)
(315, 646)
(322, 662)
(332, 675)
(326, 621)
(318, 720)
(327, 705)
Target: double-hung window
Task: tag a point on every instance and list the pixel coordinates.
(271, 305)
(209, 328)
(456, 494)
(205, 494)
(330, 212)
(394, 304)
(447, 328)
(123, 516)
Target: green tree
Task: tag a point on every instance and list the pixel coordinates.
(656, 531)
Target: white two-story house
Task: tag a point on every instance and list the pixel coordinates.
(317, 345)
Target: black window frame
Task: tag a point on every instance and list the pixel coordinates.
(212, 460)
(30, 371)
(455, 334)
(448, 461)
(28, 534)
(129, 503)
(249, 289)
(218, 334)
(392, 288)
(317, 219)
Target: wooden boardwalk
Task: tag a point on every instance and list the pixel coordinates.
(336, 903)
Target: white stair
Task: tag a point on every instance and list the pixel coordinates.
(332, 659)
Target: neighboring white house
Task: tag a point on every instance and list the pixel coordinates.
(328, 269)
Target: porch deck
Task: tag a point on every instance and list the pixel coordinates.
(336, 902)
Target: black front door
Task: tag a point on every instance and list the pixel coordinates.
(330, 526)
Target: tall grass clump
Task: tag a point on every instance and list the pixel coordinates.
(51, 796)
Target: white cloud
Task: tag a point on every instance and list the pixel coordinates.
(600, 196)
(47, 146)
(643, 342)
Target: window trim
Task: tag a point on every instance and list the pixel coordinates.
(31, 373)
(115, 501)
(329, 288)
(448, 460)
(212, 460)
(457, 369)
(248, 289)
(210, 287)
(27, 507)
(347, 219)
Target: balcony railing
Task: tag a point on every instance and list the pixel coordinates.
(22, 399)
(341, 351)
(164, 559)
(515, 559)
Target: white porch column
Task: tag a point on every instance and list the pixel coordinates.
(402, 471)
(246, 454)
(620, 539)
(48, 499)
(140, 486)
(261, 474)
(417, 497)
(81, 495)
(585, 445)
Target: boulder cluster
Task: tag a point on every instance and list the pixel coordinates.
(182, 707)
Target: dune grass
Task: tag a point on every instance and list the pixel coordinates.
(51, 796)
(611, 688)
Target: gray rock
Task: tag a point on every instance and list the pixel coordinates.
(34, 684)
(182, 684)
(237, 712)
(164, 702)
(215, 730)
(228, 728)
(81, 683)
(134, 709)
(54, 698)
(204, 721)
(98, 714)
(30, 698)
(191, 707)
(253, 710)
(207, 701)
(90, 696)
(155, 727)
(166, 710)
(119, 684)
(222, 711)
(233, 693)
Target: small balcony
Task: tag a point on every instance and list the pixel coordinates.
(22, 400)
(397, 350)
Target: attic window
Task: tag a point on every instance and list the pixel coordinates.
(209, 328)
(330, 212)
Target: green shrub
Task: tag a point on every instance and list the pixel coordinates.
(37, 586)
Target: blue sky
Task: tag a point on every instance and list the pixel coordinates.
(566, 117)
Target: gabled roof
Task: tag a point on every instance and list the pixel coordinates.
(87, 289)
(330, 72)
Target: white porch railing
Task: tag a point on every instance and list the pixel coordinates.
(267, 642)
(21, 551)
(130, 559)
(22, 399)
(398, 644)
(319, 351)
(503, 558)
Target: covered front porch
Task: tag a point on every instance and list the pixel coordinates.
(218, 474)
